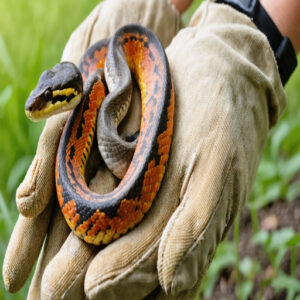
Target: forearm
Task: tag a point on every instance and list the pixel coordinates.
(286, 15)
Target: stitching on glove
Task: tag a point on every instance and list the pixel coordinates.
(188, 174)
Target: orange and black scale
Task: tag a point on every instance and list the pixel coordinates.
(100, 219)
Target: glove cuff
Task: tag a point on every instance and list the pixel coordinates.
(282, 47)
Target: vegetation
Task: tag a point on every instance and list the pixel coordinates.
(32, 37)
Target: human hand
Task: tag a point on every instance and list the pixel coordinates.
(228, 94)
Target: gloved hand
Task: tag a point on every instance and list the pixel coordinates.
(228, 95)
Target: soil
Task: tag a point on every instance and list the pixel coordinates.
(275, 216)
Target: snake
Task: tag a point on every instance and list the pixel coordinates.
(97, 92)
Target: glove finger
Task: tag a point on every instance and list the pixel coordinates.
(123, 275)
(108, 16)
(69, 264)
(58, 232)
(203, 214)
(23, 249)
(80, 39)
(156, 15)
(35, 192)
(64, 275)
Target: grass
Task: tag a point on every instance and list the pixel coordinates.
(32, 37)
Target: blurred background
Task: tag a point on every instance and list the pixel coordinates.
(261, 257)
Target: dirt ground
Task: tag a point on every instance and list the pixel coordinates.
(275, 216)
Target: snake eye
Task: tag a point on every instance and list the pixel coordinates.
(48, 94)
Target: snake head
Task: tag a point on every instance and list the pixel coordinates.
(58, 90)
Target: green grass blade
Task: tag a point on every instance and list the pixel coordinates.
(5, 59)
(5, 212)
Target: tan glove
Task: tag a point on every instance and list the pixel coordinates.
(228, 95)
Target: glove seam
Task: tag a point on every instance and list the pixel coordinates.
(187, 176)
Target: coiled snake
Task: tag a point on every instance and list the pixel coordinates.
(141, 163)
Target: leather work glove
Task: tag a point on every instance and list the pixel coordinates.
(228, 95)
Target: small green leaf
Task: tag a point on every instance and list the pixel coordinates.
(267, 170)
(260, 238)
(244, 290)
(284, 282)
(279, 238)
(293, 191)
(294, 241)
(272, 194)
(246, 266)
(288, 169)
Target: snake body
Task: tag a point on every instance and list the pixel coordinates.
(100, 219)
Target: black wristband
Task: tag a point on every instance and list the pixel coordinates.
(282, 47)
